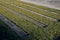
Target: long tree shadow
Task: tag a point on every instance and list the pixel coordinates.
(57, 38)
(6, 33)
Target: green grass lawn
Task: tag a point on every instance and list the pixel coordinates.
(53, 15)
(41, 19)
(35, 33)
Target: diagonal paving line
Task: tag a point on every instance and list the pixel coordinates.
(26, 17)
(15, 28)
(34, 12)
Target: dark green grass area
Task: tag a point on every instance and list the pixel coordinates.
(52, 32)
(6, 33)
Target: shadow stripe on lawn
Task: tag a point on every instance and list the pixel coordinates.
(15, 28)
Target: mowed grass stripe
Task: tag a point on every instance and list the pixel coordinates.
(52, 10)
(34, 16)
(27, 18)
(50, 14)
(24, 24)
(41, 7)
(41, 14)
(21, 22)
(45, 34)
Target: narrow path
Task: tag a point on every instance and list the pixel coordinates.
(34, 12)
(19, 31)
(26, 17)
